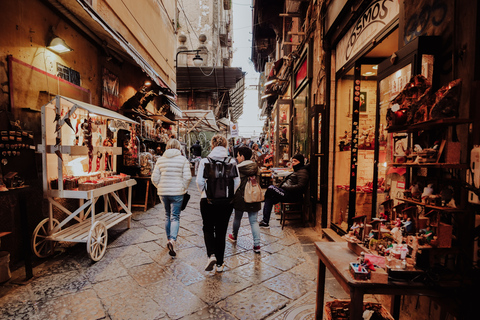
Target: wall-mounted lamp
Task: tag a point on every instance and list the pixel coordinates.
(58, 45)
(197, 60)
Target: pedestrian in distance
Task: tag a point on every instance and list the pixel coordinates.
(217, 180)
(196, 153)
(247, 168)
(291, 189)
(171, 176)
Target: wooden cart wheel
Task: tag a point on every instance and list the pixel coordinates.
(97, 241)
(41, 246)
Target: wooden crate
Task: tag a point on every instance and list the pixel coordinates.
(339, 310)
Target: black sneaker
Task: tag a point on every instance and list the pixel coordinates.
(263, 224)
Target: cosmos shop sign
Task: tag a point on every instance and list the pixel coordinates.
(377, 16)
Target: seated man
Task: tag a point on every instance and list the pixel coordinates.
(291, 189)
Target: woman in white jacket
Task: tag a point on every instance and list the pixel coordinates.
(172, 176)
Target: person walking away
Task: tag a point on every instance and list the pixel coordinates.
(171, 176)
(247, 168)
(196, 152)
(216, 210)
(291, 189)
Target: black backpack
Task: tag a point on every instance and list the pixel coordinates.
(219, 175)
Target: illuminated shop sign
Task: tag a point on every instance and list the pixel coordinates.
(377, 16)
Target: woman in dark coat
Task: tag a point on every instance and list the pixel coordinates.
(246, 168)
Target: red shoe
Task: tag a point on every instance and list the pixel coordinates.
(231, 238)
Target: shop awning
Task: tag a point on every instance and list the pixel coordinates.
(114, 44)
(70, 103)
(162, 118)
(236, 100)
(198, 120)
(173, 106)
(224, 122)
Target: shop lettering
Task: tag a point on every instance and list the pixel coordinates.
(376, 13)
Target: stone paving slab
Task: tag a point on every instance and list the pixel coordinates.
(290, 285)
(185, 273)
(174, 298)
(128, 306)
(113, 287)
(245, 304)
(81, 305)
(280, 261)
(105, 270)
(148, 273)
(56, 285)
(209, 313)
(218, 287)
(256, 271)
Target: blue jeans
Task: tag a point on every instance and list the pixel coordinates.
(273, 195)
(252, 217)
(173, 205)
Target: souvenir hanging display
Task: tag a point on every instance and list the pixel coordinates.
(78, 163)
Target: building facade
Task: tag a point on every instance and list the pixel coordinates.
(330, 72)
(113, 48)
(205, 79)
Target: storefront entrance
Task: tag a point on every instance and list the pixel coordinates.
(355, 139)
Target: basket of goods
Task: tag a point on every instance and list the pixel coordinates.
(340, 310)
(70, 183)
(90, 185)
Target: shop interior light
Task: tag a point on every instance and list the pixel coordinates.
(147, 83)
(375, 67)
(58, 45)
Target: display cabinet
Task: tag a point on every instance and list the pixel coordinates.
(423, 158)
(79, 162)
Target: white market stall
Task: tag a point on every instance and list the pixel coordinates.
(69, 171)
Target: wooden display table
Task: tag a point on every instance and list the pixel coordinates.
(150, 192)
(337, 256)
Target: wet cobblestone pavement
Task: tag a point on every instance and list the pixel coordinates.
(137, 279)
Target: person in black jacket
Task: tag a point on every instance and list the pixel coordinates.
(291, 189)
(247, 168)
(196, 153)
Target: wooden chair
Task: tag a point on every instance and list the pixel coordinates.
(292, 208)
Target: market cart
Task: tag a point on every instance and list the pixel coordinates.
(79, 163)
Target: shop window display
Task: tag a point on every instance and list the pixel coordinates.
(300, 122)
(357, 138)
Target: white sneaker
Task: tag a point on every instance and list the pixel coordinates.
(210, 263)
(220, 267)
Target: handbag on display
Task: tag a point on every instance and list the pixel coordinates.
(186, 197)
(253, 192)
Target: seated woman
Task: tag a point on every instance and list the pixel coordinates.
(291, 189)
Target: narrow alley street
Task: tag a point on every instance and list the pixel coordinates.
(137, 279)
